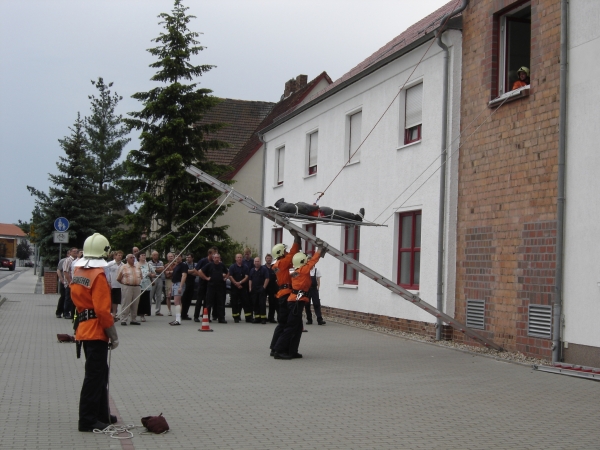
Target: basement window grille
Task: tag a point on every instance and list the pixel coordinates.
(540, 321)
(476, 314)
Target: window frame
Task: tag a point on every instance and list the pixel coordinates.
(348, 150)
(412, 249)
(309, 248)
(277, 236)
(279, 171)
(353, 253)
(311, 170)
(416, 127)
(500, 49)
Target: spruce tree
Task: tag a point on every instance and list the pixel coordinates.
(72, 196)
(171, 139)
(105, 139)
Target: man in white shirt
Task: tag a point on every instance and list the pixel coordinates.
(313, 293)
(68, 277)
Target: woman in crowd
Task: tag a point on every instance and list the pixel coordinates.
(148, 274)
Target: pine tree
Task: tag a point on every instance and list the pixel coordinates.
(72, 196)
(170, 140)
(105, 139)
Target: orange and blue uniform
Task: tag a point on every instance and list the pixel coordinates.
(284, 280)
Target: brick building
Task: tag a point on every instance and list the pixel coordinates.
(507, 197)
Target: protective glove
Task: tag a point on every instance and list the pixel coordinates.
(322, 251)
(111, 332)
(297, 238)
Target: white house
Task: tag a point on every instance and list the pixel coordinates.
(392, 103)
(581, 293)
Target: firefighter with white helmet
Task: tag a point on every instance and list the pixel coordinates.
(289, 341)
(91, 293)
(522, 78)
(281, 267)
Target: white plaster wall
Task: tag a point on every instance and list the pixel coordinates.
(581, 298)
(385, 170)
(244, 227)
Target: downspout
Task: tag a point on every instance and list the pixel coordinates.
(560, 201)
(442, 201)
(262, 192)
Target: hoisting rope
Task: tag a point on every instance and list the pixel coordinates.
(119, 317)
(439, 30)
(441, 165)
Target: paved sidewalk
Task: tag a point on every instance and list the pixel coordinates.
(20, 281)
(354, 389)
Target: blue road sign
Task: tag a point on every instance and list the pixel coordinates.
(61, 224)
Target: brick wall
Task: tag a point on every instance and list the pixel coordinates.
(507, 178)
(50, 282)
(395, 323)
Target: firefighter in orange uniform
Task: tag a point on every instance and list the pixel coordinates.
(289, 341)
(281, 268)
(91, 293)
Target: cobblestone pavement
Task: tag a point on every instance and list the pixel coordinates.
(354, 389)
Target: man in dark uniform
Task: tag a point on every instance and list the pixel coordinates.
(248, 259)
(90, 292)
(272, 289)
(201, 301)
(238, 275)
(190, 284)
(215, 273)
(259, 280)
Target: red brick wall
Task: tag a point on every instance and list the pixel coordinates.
(395, 323)
(50, 282)
(507, 178)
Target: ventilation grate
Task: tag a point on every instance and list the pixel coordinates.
(540, 321)
(476, 314)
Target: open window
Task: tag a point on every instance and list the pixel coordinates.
(309, 248)
(313, 150)
(413, 117)
(514, 46)
(352, 250)
(280, 164)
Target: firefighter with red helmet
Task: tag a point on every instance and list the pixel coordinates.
(91, 294)
(287, 345)
(281, 267)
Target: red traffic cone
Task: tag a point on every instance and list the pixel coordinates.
(205, 325)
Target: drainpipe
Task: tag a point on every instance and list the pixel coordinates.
(560, 201)
(442, 208)
(262, 192)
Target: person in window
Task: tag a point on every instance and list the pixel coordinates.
(523, 80)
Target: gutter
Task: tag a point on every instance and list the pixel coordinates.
(262, 191)
(443, 159)
(560, 201)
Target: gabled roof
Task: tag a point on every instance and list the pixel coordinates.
(8, 229)
(254, 143)
(413, 37)
(242, 118)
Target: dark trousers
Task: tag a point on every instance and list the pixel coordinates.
(69, 308)
(93, 401)
(313, 293)
(186, 299)
(259, 302)
(289, 341)
(273, 303)
(240, 300)
(201, 300)
(60, 308)
(282, 317)
(215, 300)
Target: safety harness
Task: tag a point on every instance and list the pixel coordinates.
(87, 314)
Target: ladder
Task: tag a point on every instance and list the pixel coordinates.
(283, 220)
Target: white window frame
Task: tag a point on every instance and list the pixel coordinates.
(312, 148)
(502, 59)
(279, 165)
(348, 148)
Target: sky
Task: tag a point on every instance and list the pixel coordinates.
(50, 50)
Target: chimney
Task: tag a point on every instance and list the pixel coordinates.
(294, 85)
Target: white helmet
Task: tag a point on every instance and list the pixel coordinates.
(96, 246)
(278, 250)
(299, 260)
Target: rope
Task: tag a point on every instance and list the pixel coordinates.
(120, 316)
(439, 30)
(441, 165)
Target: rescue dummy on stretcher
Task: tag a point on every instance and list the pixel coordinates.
(307, 209)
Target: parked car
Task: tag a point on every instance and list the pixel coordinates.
(28, 264)
(7, 263)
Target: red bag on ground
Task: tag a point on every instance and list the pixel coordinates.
(156, 424)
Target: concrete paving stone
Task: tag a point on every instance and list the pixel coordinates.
(354, 388)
